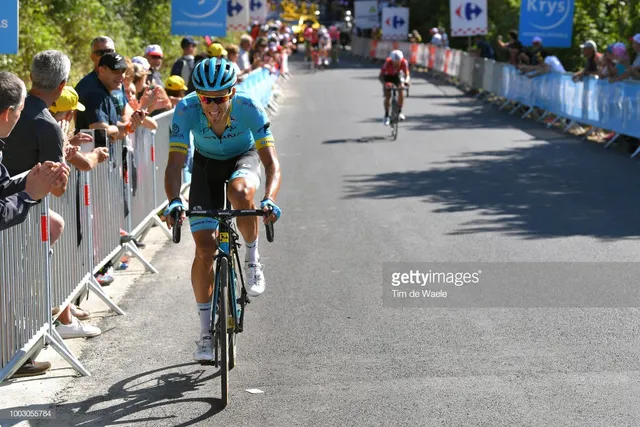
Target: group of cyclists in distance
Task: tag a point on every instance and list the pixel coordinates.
(322, 45)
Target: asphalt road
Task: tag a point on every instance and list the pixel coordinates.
(463, 183)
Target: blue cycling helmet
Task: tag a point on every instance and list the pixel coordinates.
(214, 74)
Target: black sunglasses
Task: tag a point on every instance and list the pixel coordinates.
(103, 51)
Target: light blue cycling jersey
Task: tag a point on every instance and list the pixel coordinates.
(247, 127)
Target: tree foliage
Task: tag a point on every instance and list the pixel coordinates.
(70, 25)
(604, 21)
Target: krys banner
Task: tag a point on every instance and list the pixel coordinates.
(551, 20)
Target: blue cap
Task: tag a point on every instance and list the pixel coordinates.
(188, 41)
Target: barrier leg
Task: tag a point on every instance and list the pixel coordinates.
(516, 108)
(97, 289)
(569, 126)
(635, 153)
(544, 116)
(553, 122)
(589, 133)
(134, 250)
(56, 341)
(612, 140)
(154, 220)
(503, 106)
(529, 111)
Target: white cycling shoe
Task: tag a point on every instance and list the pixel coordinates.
(204, 353)
(254, 278)
(401, 117)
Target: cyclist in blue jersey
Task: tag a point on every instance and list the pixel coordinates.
(232, 136)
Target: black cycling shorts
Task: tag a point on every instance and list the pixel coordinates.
(392, 79)
(207, 183)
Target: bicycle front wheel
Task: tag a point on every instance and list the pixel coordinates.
(222, 331)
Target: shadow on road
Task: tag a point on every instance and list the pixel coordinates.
(154, 396)
(547, 190)
(362, 140)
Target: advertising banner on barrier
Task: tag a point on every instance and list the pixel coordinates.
(551, 20)
(199, 17)
(9, 27)
(366, 14)
(395, 23)
(258, 10)
(468, 18)
(237, 15)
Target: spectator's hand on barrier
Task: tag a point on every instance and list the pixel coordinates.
(62, 176)
(70, 152)
(80, 138)
(103, 154)
(268, 206)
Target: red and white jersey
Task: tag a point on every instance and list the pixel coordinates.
(389, 70)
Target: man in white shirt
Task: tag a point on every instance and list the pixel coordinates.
(551, 64)
(436, 38)
(243, 55)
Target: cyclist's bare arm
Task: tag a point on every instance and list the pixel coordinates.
(173, 177)
(269, 159)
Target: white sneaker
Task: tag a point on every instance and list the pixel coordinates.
(77, 329)
(204, 353)
(254, 278)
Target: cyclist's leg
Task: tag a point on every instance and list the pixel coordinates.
(243, 184)
(206, 193)
(400, 92)
(387, 97)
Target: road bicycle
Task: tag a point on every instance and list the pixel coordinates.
(395, 108)
(229, 297)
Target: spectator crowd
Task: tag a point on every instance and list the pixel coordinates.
(55, 127)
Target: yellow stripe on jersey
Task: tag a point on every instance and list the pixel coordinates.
(178, 147)
(265, 142)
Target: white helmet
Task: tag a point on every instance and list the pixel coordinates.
(396, 55)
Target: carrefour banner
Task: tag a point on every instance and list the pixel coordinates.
(551, 20)
(237, 15)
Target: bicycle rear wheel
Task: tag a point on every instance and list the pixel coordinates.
(222, 329)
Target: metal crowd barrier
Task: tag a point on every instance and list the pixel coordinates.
(35, 280)
(594, 102)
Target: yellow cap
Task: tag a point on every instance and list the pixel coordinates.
(175, 83)
(68, 101)
(216, 49)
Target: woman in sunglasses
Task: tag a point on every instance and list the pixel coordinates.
(232, 136)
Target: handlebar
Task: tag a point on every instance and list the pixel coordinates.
(221, 213)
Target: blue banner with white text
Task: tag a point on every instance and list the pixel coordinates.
(199, 17)
(9, 27)
(551, 20)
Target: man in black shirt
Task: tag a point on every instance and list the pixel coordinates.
(100, 108)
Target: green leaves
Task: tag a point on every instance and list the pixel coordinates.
(70, 25)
